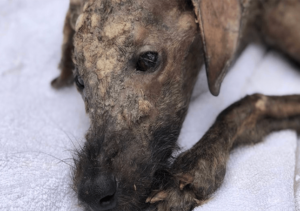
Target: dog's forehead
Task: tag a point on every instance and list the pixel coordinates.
(108, 32)
(116, 17)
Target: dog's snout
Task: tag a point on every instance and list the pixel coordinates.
(99, 193)
(107, 192)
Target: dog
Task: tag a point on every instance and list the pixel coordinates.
(135, 64)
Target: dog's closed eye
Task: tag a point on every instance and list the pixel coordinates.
(79, 82)
(147, 61)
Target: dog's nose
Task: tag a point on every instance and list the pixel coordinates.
(99, 192)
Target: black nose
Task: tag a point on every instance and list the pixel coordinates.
(98, 192)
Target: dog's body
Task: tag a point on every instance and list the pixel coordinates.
(135, 64)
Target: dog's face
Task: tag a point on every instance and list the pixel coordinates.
(136, 64)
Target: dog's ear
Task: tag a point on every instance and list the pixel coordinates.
(219, 22)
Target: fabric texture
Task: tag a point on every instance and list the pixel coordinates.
(41, 127)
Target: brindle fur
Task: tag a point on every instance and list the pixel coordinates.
(136, 116)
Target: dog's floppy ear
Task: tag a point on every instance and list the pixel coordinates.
(219, 22)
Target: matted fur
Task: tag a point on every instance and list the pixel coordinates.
(136, 116)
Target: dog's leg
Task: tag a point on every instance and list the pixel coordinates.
(281, 26)
(198, 172)
(66, 64)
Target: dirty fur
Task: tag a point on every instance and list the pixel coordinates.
(136, 114)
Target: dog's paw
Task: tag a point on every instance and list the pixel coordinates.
(193, 187)
(174, 199)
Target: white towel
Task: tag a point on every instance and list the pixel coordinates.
(40, 127)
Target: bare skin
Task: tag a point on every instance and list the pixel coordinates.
(135, 64)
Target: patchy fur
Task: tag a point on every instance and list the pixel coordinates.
(136, 114)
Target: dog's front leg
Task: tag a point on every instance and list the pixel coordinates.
(198, 172)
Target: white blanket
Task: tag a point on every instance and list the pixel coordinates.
(40, 127)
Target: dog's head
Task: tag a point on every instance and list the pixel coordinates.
(136, 65)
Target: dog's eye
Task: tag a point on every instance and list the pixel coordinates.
(79, 82)
(147, 61)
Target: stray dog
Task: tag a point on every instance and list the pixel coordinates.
(135, 64)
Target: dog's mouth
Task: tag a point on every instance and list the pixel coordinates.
(114, 175)
(102, 192)
(98, 191)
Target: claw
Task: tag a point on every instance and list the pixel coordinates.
(201, 202)
(160, 196)
(185, 180)
(198, 202)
